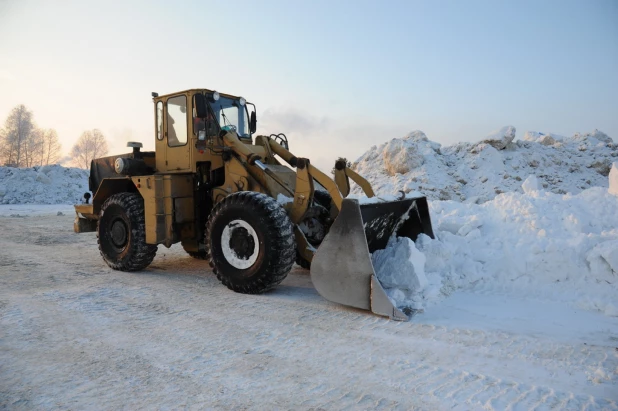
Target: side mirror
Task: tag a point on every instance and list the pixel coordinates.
(252, 123)
(201, 111)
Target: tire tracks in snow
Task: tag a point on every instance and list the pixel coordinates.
(76, 334)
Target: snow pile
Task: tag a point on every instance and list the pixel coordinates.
(542, 138)
(52, 184)
(613, 179)
(537, 244)
(477, 172)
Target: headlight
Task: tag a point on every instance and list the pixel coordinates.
(215, 96)
(242, 101)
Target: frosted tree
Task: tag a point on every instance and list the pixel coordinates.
(16, 143)
(31, 148)
(50, 147)
(91, 145)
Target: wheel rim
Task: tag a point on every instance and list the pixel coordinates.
(240, 244)
(119, 233)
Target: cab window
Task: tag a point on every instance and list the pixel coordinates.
(159, 121)
(177, 121)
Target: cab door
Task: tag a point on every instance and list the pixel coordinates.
(176, 134)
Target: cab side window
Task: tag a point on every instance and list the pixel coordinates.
(177, 121)
(159, 121)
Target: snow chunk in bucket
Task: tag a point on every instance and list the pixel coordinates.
(400, 268)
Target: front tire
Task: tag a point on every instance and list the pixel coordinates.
(121, 233)
(250, 242)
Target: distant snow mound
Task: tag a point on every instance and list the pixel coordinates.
(594, 137)
(52, 184)
(478, 172)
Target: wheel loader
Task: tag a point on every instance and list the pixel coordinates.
(245, 203)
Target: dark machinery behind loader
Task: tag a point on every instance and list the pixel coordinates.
(227, 197)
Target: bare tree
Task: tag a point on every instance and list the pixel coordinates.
(91, 145)
(4, 149)
(22, 144)
(50, 147)
(31, 148)
(15, 145)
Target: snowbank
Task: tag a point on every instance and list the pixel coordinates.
(52, 184)
(478, 172)
(539, 217)
(556, 247)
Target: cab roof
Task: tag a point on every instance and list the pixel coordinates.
(193, 90)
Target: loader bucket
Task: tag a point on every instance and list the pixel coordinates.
(341, 270)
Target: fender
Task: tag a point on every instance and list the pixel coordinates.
(110, 186)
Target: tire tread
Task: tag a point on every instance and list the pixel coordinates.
(143, 253)
(280, 232)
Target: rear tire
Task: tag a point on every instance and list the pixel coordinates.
(121, 233)
(250, 242)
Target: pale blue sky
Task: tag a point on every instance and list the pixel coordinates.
(336, 76)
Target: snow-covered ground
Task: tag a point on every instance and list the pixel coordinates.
(75, 334)
(519, 290)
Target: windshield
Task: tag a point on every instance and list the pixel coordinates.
(231, 115)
